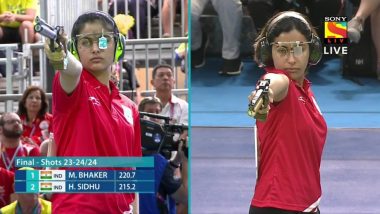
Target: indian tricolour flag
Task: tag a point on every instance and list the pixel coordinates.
(46, 174)
(46, 186)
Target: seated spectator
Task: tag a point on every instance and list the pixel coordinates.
(230, 14)
(33, 111)
(261, 10)
(27, 203)
(356, 25)
(10, 135)
(169, 185)
(6, 186)
(166, 14)
(16, 17)
(132, 10)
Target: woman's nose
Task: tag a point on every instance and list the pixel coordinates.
(291, 59)
(95, 47)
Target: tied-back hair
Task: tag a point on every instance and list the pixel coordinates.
(44, 102)
(274, 27)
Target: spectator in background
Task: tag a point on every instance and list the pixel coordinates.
(166, 14)
(169, 185)
(356, 25)
(15, 17)
(132, 9)
(27, 203)
(11, 143)
(262, 10)
(33, 111)
(230, 15)
(150, 105)
(6, 186)
(173, 107)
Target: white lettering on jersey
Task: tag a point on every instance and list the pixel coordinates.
(94, 101)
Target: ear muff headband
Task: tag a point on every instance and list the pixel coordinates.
(119, 39)
(265, 50)
(120, 47)
(284, 15)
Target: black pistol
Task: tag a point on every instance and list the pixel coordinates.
(261, 97)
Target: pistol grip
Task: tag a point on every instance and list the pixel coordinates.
(51, 45)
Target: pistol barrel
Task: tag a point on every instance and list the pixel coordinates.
(45, 29)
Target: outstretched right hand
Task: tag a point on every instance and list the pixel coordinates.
(262, 112)
(57, 56)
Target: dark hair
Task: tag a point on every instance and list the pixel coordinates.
(149, 100)
(154, 72)
(90, 17)
(275, 26)
(93, 16)
(44, 102)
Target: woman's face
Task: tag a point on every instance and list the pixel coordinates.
(33, 101)
(290, 53)
(95, 58)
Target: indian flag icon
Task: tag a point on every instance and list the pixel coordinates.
(46, 186)
(46, 175)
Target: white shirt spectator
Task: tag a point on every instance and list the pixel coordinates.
(178, 110)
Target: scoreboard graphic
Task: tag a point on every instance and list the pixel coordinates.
(87, 181)
(79, 181)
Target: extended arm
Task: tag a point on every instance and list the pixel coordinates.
(278, 87)
(273, 89)
(70, 76)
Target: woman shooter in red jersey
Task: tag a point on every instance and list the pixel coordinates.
(291, 128)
